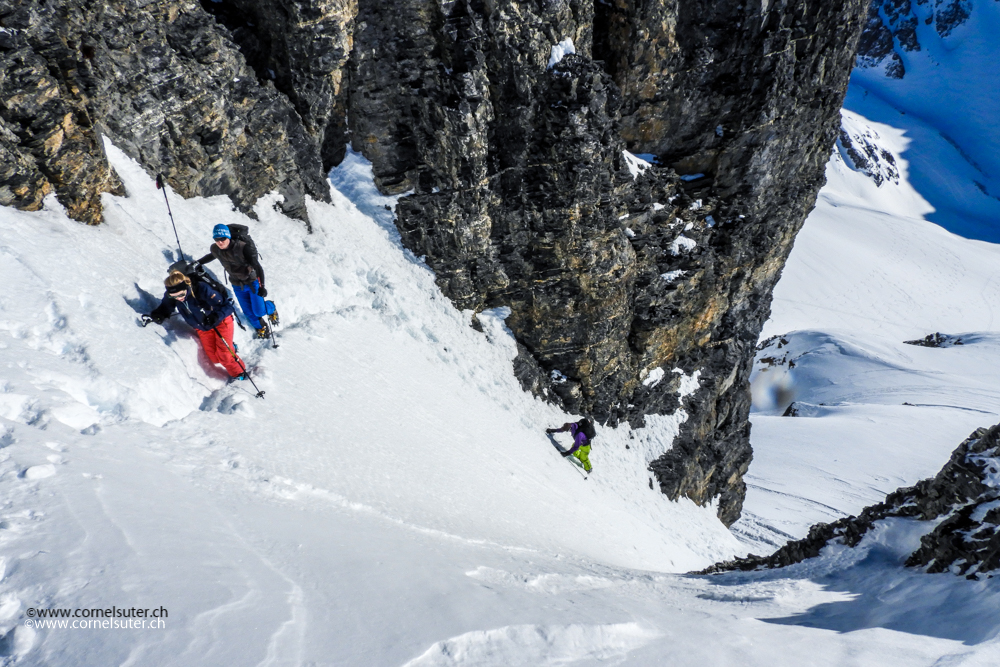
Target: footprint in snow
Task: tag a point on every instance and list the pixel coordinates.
(39, 472)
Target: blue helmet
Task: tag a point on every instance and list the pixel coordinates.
(221, 231)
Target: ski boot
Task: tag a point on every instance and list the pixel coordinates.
(273, 317)
(263, 332)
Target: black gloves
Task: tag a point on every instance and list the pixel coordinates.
(262, 292)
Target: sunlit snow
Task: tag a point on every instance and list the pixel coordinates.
(394, 500)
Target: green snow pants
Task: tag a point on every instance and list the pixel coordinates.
(583, 454)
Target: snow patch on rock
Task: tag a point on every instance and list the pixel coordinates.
(635, 164)
(561, 50)
(682, 244)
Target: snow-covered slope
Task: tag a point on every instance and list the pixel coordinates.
(393, 500)
(390, 501)
(381, 396)
(127, 457)
(867, 273)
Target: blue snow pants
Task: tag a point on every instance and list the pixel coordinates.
(253, 305)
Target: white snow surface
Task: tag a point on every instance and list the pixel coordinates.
(869, 271)
(393, 499)
(393, 452)
(654, 377)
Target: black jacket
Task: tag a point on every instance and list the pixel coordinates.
(240, 262)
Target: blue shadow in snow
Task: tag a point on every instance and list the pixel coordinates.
(880, 592)
(965, 198)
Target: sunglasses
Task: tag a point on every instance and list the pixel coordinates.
(221, 239)
(176, 291)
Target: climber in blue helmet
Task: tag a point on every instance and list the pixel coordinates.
(237, 253)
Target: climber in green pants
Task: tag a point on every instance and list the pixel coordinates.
(583, 433)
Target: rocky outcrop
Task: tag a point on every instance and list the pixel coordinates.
(161, 80)
(963, 498)
(860, 150)
(517, 172)
(302, 46)
(47, 135)
(936, 339)
(22, 183)
(888, 21)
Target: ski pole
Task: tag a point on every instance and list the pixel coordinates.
(161, 186)
(259, 393)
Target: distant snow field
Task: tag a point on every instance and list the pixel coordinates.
(393, 499)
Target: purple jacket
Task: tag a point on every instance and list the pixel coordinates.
(579, 438)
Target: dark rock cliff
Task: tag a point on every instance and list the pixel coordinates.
(505, 122)
(165, 83)
(302, 46)
(521, 196)
(964, 498)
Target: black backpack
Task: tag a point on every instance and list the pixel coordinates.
(587, 427)
(197, 273)
(242, 233)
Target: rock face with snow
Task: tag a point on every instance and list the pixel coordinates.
(891, 29)
(47, 138)
(861, 151)
(506, 122)
(517, 174)
(163, 81)
(964, 498)
(936, 339)
(512, 147)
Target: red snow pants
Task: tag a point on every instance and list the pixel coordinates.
(216, 350)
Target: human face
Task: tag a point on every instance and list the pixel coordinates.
(179, 296)
(222, 243)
